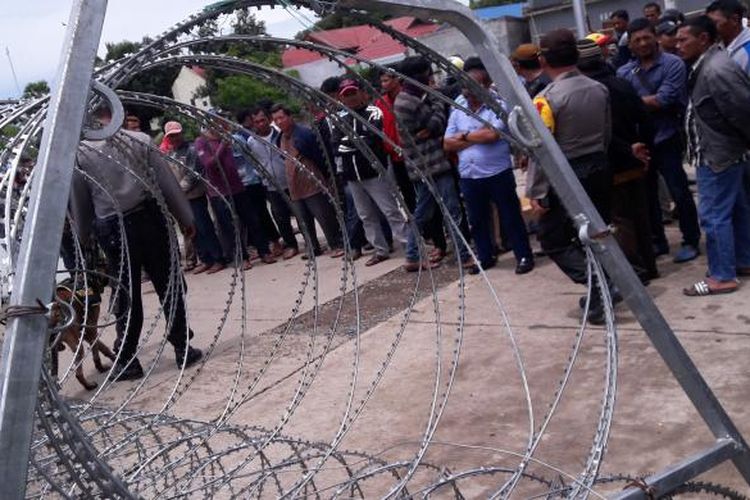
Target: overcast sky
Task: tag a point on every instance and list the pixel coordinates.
(33, 31)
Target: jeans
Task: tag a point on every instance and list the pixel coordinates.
(373, 199)
(427, 207)
(281, 209)
(725, 217)
(667, 160)
(206, 242)
(148, 248)
(499, 189)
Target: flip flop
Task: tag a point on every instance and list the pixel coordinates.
(703, 289)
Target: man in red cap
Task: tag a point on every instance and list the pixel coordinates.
(370, 189)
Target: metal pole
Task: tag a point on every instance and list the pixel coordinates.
(579, 12)
(26, 337)
(577, 203)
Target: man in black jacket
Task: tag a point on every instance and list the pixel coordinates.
(370, 190)
(718, 122)
(632, 135)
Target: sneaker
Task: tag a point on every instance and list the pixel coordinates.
(686, 254)
(193, 356)
(127, 371)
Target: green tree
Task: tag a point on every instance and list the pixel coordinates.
(237, 92)
(35, 89)
(158, 81)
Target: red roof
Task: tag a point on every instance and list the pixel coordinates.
(366, 41)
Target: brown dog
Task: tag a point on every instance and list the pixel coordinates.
(82, 300)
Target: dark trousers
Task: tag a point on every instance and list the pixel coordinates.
(147, 240)
(499, 189)
(282, 214)
(557, 234)
(318, 207)
(404, 185)
(631, 216)
(666, 160)
(206, 242)
(258, 203)
(256, 235)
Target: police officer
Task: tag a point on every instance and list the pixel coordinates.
(576, 109)
(115, 172)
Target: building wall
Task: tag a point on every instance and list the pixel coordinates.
(185, 88)
(313, 73)
(544, 19)
(508, 31)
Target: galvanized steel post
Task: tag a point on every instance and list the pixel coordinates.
(27, 336)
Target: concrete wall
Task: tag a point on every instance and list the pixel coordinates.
(508, 31)
(542, 20)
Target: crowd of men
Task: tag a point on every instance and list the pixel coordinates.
(627, 110)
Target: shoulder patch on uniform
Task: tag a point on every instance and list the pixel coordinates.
(545, 111)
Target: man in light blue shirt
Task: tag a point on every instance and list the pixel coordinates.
(485, 168)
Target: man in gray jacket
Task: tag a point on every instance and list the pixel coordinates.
(718, 123)
(118, 179)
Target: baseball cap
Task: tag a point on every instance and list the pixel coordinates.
(666, 27)
(526, 52)
(348, 85)
(171, 128)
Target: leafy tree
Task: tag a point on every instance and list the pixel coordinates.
(158, 81)
(35, 89)
(237, 92)
(6, 134)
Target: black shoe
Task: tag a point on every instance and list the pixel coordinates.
(596, 316)
(661, 249)
(124, 371)
(616, 299)
(525, 265)
(193, 356)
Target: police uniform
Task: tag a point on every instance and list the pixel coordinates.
(576, 109)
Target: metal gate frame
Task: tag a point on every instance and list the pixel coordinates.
(26, 336)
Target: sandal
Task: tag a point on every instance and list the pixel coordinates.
(413, 267)
(703, 289)
(247, 265)
(376, 259)
(436, 255)
(337, 253)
